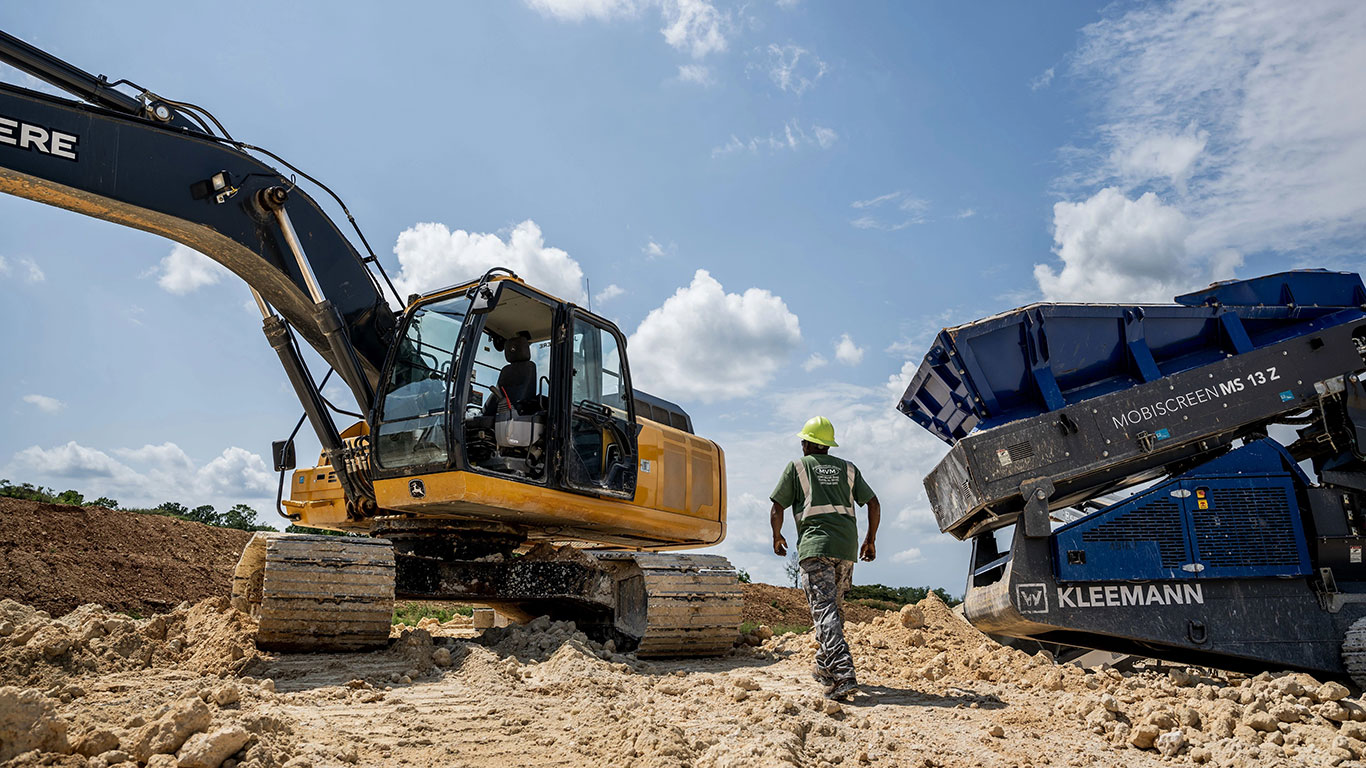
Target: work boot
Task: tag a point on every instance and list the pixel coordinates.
(842, 690)
(826, 679)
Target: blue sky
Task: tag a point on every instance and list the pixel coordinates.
(780, 201)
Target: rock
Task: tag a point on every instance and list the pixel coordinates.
(1262, 721)
(298, 762)
(226, 694)
(267, 685)
(209, 750)
(1190, 717)
(916, 639)
(746, 683)
(996, 731)
(1331, 691)
(832, 707)
(1201, 755)
(162, 761)
(6, 628)
(29, 720)
(441, 657)
(1333, 710)
(764, 632)
(1144, 735)
(912, 617)
(1171, 743)
(348, 754)
(862, 756)
(1110, 703)
(1287, 713)
(1163, 720)
(165, 734)
(97, 742)
(114, 757)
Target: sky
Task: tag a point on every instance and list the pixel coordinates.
(780, 202)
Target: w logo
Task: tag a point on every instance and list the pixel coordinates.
(1031, 598)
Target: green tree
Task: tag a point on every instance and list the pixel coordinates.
(241, 517)
(70, 497)
(206, 514)
(172, 508)
(742, 576)
(106, 502)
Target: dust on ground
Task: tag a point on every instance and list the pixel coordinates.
(188, 688)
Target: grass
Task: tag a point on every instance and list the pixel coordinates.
(778, 629)
(413, 612)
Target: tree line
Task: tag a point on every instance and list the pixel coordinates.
(239, 516)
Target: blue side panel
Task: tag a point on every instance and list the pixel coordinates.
(1234, 517)
(1043, 357)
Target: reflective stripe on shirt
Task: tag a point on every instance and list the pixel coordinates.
(807, 510)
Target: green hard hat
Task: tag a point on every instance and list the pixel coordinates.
(820, 431)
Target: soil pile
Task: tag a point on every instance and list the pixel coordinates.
(55, 557)
(936, 694)
(785, 606)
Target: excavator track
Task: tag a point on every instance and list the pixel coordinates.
(677, 605)
(1354, 652)
(316, 593)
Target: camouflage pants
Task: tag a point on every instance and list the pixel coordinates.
(825, 580)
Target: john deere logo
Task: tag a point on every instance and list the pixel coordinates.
(417, 489)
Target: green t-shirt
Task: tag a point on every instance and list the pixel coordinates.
(826, 527)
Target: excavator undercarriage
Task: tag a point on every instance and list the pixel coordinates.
(336, 593)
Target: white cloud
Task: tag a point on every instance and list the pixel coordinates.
(26, 269)
(966, 213)
(610, 292)
(847, 352)
(695, 26)
(908, 556)
(654, 250)
(578, 10)
(1042, 80)
(817, 360)
(697, 74)
(1164, 155)
(792, 138)
(431, 256)
(1245, 112)
(1116, 249)
(905, 210)
(185, 270)
(793, 68)
(44, 403)
(149, 475)
(704, 344)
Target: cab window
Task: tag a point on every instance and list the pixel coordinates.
(412, 429)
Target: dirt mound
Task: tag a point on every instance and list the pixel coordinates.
(936, 694)
(55, 558)
(36, 650)
(775, 606)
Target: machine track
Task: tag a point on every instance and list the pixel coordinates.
(316, 593)
(1354, 652)
(677, 605)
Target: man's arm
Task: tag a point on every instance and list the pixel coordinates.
(775, 519)
(869, 550)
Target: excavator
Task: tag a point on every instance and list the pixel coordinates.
(501, 456)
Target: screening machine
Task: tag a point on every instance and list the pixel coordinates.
(1180, 481)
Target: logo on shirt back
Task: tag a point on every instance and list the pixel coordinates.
(827, 475)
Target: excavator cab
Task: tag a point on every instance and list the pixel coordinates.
(504, 380)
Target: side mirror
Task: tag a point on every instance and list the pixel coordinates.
(283, 453)
(485, 298)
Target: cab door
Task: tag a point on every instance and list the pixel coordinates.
(599, 454)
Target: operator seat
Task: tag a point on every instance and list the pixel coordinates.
(517, 379)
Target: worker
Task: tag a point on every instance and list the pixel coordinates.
(822, 491)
